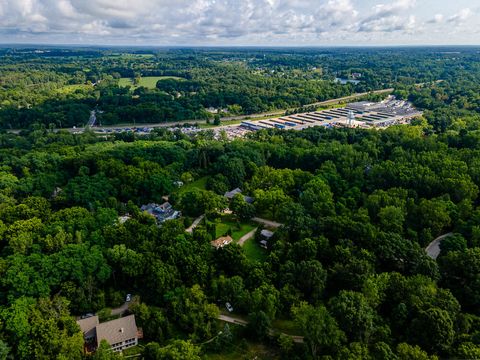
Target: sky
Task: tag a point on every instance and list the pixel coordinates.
(241, 22)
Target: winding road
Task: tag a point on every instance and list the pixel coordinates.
(433, 249)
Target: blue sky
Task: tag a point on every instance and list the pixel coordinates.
(241, 22)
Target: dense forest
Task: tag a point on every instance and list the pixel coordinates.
(346, 272)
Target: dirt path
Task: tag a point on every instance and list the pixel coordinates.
(241, 322)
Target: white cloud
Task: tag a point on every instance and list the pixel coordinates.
(461, 16)
(389, 17)
(437, 19)
(273, 22)
(383, 10)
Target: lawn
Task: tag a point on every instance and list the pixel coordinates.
(149, 82)
(286, 326)
(228, 222)
(133, 351)
(253, 251)
(197, 184)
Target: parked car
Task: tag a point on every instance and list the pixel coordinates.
(128, 298)
(229, 307)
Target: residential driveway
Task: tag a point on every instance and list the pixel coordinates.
(246, 237)
(195, 224)
(232, 320)
(433, 249)
(266, 222)
(120, 310)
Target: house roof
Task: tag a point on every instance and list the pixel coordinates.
(231, 194)
(266, 233)
(165, 206)
(249, 199)
(222, 241)
(118, 330)
(88, 325)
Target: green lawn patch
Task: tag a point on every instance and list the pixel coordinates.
(149, 82)
(254, 251)
(229, 222)
(285, 326)
(134, 350)
(197, 184)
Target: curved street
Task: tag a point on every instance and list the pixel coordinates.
(433, 249)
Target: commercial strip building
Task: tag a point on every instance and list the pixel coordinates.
(361, 114)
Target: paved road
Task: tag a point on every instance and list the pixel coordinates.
(241, 322)
(232, 320)
(120, 310)
(433, 249)
(246, 237)
(93, 118)
(225, 119)
(195, 224)
(269, 223)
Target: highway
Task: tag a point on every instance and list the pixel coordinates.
(92, 119)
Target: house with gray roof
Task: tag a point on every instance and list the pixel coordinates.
(230, 194)
(161, 212)
(120, 333)
(88, 325)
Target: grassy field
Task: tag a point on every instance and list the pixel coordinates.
(197, 184)
(229, 222)
(149, 82)
(254, 251)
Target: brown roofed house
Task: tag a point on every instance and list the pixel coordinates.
(120, 333)
(88, 326)
(222, 241)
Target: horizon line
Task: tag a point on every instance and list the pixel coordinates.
(16, 44)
